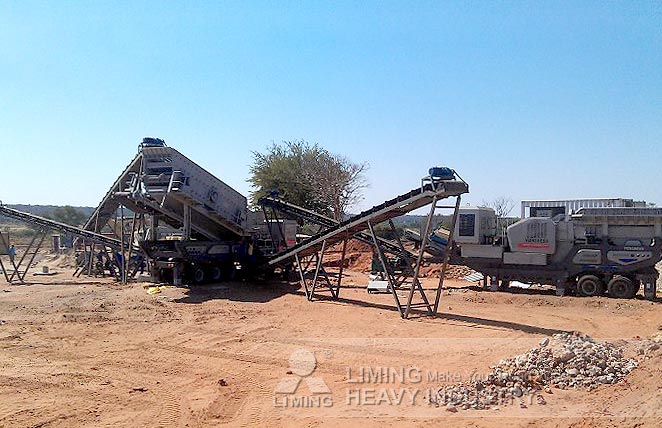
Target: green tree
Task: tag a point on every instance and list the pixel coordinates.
(68, 215)
(307, 175)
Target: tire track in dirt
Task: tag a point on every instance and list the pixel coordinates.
(160, 395)
(170, 412)
(256, 392)
(41, 412)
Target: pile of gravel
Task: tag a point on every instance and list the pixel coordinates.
(565, 360)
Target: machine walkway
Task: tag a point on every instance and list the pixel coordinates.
(307, 256)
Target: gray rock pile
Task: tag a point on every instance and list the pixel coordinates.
(565, 360)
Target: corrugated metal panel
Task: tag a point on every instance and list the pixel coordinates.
(572, 205)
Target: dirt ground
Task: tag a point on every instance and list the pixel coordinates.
(90, 353)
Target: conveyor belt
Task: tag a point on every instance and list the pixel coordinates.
(390, 209)
(61, 227)
(322, 220)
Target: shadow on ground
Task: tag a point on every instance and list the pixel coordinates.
(474, 322)
(254, 292)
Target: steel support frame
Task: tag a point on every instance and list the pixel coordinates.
(312, 273)
(5, 244)
(444, 266)
(122, 272)
(88, 266)
(279, 222)
(367, 220)
(313, 265)
(409, 262)
(30, 253)
(414, 286)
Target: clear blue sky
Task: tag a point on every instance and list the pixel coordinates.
(555, 99)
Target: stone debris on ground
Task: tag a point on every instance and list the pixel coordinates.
(650, 346)
(563, 361)
(452, 271)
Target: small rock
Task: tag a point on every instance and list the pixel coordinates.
(544, 342)
(541, 400)
(222, 382)
(451, 409)
(564, 356)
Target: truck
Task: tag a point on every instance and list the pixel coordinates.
(590, 252)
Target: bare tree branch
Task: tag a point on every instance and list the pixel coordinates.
(502, 206)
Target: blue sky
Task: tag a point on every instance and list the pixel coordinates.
(527, 100)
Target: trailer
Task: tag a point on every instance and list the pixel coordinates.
(197, 228)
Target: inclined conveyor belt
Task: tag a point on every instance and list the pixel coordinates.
(398, 206)
(61, 227)
(322, 220)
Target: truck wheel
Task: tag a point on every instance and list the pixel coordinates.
(215, 274)
(198, 275)
(590, 286)
(621, 287)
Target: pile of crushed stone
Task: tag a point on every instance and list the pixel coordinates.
(564, 360)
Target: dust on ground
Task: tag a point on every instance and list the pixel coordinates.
(79, 352)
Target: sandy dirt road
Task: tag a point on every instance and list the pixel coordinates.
(90, 353)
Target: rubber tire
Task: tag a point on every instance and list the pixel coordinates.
(198, 275)
(590, 286)
(621, 287)
(215, 274)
